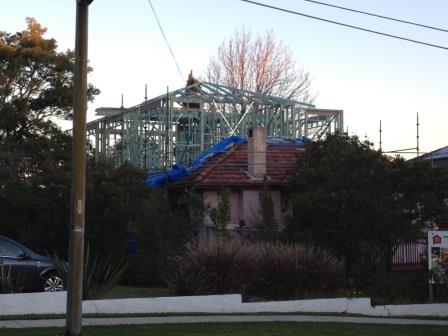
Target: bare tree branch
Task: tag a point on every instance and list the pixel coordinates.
(259, 63)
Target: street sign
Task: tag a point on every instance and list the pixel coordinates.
(437, 249)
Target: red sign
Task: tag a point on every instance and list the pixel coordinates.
(436, 239)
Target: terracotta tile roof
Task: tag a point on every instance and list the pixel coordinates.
(230, 168)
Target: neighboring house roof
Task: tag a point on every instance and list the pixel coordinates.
(230, 168)
(438, 158)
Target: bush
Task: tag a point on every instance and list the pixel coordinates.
(213, 267)
(162, 233)
(256, 270)
(296, 271)
(440, 283)
(399, 287)
(100, 273)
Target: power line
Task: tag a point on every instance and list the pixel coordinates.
(345, 25)
(377, 15)
(166, 40)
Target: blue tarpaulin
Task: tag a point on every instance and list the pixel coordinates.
(176, 172)
(221, 146)
(282, 142)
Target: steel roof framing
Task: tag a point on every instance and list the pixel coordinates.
(175, 127)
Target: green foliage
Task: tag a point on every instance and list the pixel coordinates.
(35, 190)
(360, 203)
(256, 270)
(439, 278)
(162, 232)
(115, 198)
(101, 273)
(221, 214)
(36, 82)
(267, 228)
(398, 287)
(195, 209)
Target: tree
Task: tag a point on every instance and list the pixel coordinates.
(36, 82)
(359, 203)
(221, 214)
(260, 64)
(35, 155)
(35, 190)
(35, 162)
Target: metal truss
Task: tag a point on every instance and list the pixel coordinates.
(175, 127)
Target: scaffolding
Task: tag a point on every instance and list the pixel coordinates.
(175, 127)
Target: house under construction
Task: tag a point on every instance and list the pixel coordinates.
(176, 127)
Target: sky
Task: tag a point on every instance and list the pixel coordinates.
(370, 77)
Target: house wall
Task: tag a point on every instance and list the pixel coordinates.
(211, 200)
(244, 207)
(250, 207)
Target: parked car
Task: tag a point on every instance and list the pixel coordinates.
(22, 269)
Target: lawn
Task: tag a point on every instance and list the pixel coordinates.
(243, 329)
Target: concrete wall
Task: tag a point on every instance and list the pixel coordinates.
(33, 303)
(55, 303)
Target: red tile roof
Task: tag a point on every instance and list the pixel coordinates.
(230, 168)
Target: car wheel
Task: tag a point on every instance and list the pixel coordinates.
(53, 283)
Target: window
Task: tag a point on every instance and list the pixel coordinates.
(8, 249)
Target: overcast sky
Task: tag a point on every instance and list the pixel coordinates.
(370, 77)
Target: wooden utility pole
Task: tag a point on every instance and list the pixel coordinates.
(76, 247)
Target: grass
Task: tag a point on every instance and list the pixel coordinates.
(244, 329)
(126, 292)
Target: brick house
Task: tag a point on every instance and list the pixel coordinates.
(242, 169)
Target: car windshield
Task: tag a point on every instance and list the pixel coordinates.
(8, 249)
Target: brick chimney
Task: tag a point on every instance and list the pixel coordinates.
(256, 151)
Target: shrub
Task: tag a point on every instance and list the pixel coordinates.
(440, 283)
(256, 270)
(399, 287)
(296, 271)
(212, 267)
(100, 274)
(162, 233)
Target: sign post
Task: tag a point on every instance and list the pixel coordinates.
(437, 255)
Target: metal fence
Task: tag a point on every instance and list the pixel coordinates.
(409, 255)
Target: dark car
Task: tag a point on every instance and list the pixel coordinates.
(24, 269)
